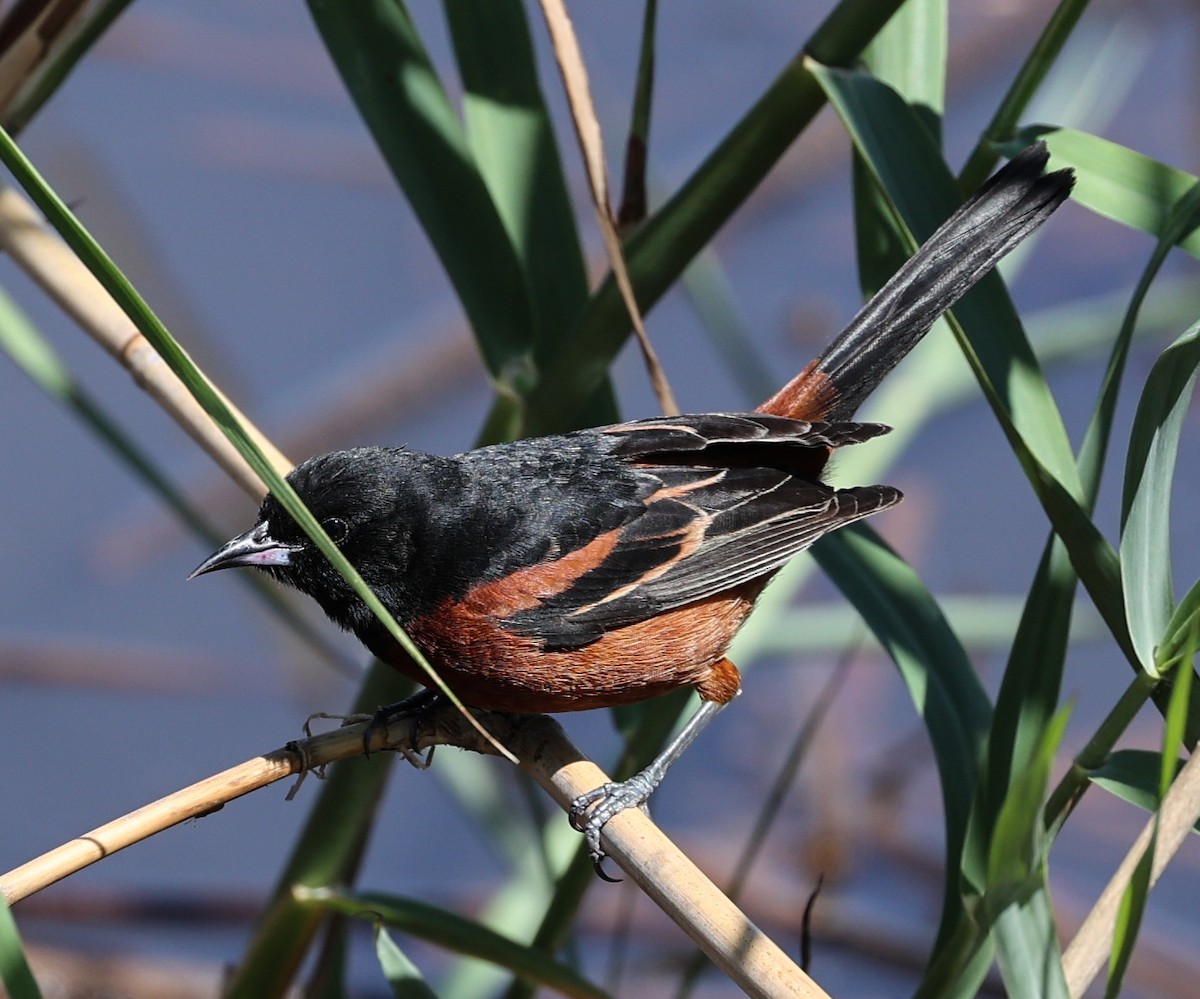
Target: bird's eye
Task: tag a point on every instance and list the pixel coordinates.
(336, 528)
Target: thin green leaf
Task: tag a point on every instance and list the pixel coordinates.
(53, 71)
(1129, 919)
(900, 152)
(328, 851)
(921, 191)
(453, 932)
(389, 74)
(1115, 181)
(662, 247)
(15, 975)
(634, 198)
(1017, 896)
(1027, 950)
(1134, 775)
(1137, 892)
(1097, 750)
(512, 142)
(1094, 559)
(1146, 502)
(1092, 454)
(404, 977)
(1016, 852)
(910, 55)
(1029, 78)
(1033, 675)
(1096, 440)
(1179, 631)
(1028, 697)
(1177, 718)
(511, 137)
(935, 668)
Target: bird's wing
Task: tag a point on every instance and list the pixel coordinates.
(724, 505)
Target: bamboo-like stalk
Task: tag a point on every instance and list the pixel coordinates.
(747, 955)
(591, 147)
(1179, 812)
(51, 264)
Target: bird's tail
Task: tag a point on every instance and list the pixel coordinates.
(996, 218)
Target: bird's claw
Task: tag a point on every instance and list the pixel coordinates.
(591, 812)
(418, 705)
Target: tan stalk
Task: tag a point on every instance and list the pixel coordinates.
(750, 958)
(53, 266)
(587, 129)
(1177, 816)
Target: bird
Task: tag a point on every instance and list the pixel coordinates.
(610, 565)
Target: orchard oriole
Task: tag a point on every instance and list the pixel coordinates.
(609, 565)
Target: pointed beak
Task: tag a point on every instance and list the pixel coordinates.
(256, 547)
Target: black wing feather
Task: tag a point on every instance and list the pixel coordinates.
(722, 506)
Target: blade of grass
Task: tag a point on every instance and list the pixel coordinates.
(1115, 181)
(634, 202)
(1146, 503)
(1172, 650)
(15, 975)
(384, 65)
(910, 55)
(403, 977)
(54, 69)
(31, 352)
(1137, 892)
(1091, 460)
(512, 143)
(890, 138)
(511, 136)
(1032, 677)
(1037, 64)
(587, 130)
(658, 252)
(452, 932)
(1134, 775)
(1016, 897)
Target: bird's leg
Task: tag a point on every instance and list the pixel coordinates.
(590, 812)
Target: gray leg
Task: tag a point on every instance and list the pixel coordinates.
(590, 812)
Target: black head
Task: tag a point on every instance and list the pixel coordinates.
(362, 499)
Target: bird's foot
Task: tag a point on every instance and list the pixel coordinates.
(591, 812)
(417, 706)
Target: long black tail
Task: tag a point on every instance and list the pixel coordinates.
(996, 218)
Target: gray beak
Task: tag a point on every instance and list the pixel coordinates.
(256, 547)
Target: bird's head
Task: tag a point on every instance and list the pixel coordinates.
(358, 497)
